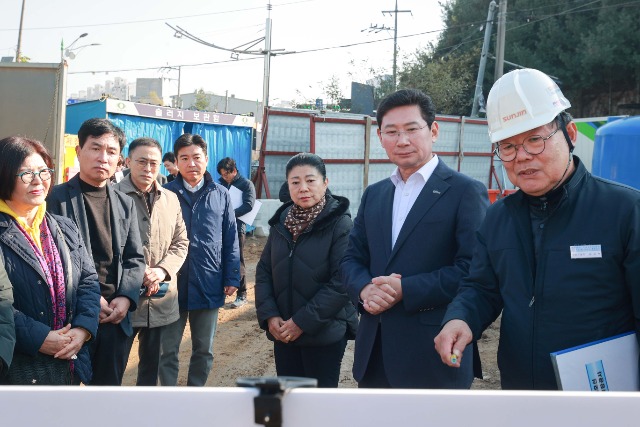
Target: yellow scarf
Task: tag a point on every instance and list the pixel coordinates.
(34, 229)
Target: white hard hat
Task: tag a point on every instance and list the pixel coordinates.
(522, 100)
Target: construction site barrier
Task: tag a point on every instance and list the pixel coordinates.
(231, 407)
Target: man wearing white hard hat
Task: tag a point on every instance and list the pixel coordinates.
(560, 259)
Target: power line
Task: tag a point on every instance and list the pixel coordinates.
(574, 10)
(127, 22)
(161, 66)
(628, 4)
(366, 42)
(234, 29)
(141, 21)
(564, 12)
(631, 3)
(247, 59)
(559, 3)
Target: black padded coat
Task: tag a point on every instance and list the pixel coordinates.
(301, 280)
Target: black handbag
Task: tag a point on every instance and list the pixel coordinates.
(41, 369)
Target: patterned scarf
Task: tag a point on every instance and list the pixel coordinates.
(51, 265)
(298, 219)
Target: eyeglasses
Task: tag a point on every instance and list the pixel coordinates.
(394, 135)
(533, 145)
(28, 176)
(143, 163)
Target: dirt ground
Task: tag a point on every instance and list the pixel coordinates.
(241, 348)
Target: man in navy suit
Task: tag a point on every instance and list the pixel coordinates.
(411, 243)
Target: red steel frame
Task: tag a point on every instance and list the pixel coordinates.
(260, 178)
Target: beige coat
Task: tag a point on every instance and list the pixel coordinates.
(165, 242)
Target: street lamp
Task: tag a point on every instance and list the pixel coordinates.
(63, 51)
(68, 52)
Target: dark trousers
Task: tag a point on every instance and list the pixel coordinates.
(109, 355)
(149, 344)
(374, 376)
(321, 363)
(242, 289)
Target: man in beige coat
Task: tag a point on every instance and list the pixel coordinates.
(165, 242)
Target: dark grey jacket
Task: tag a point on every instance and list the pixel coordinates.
(66, 200)
(301, 280)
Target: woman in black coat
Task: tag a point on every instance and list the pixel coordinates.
(300, 299)
(56, 295)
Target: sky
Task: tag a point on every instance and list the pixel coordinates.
(133, 35)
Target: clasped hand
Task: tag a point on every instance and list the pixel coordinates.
(114, 311)
(65, 342)
(382, 293)
(285, 331)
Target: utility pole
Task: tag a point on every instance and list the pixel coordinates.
(268, 52)
(19, 48)
(502, 24)
(483, 58)
(267, 59)
(395, 39)
(178, 99)
(177, 103)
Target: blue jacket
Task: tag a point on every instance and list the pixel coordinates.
(32, 303)
(552, 301)
(213, 261)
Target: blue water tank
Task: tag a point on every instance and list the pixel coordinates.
(616, 152)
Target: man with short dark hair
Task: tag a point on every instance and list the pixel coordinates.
(164, 238)
(410, 245)
(229, 176)
(212, 268)
(109, 227)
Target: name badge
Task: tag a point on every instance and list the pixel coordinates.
(586, 251)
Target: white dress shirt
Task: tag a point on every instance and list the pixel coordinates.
(406, 194)
(195, 187)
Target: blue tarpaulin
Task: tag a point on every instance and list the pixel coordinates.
(78, 113)
(223, 140)
(163, 131)
(226, 141)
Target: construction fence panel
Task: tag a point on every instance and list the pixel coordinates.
(463, 144)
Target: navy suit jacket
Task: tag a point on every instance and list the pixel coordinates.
(432, 253)
(66, 200)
